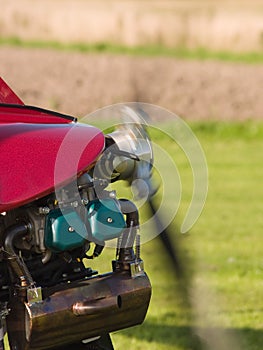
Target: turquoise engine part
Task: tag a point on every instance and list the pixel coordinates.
(64, 230)
(106, 219)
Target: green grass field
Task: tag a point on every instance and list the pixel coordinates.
(224, 251)
(200, 53)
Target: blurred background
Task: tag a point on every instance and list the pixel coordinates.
(202, 60)
(166, 44)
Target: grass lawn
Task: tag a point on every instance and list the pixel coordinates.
(224, 251)
(182, 52)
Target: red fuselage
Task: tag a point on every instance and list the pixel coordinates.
(40, 150)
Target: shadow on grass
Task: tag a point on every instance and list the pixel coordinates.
(188, 338)
(182, 336)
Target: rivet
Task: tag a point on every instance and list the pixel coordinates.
(109, 220)
(71, 229)
(112, 194)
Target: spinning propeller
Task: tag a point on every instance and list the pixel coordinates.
(129, 156)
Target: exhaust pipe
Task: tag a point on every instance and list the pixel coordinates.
(81, 310)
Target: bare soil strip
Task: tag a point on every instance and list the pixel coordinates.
(77, 83)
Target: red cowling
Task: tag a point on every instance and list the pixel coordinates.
(7, 95)
(41, 150)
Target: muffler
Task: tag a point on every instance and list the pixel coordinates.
(80, 310)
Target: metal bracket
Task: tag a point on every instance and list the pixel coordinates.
(137, 268)
(34, 295)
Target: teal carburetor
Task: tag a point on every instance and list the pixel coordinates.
(66, 229)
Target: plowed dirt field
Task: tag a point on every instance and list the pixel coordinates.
(77, 83)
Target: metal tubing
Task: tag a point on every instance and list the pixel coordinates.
(129, 209)
(125, 252)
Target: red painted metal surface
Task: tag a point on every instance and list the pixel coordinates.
(36, 155)
(7, 95)
(28, 114)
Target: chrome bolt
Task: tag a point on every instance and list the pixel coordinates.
(43, 210)
(71, 229)
(109, 220)
(75, 204)
(85, 201)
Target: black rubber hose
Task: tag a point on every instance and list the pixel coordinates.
(11, 233)
(18, 266)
